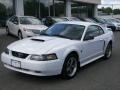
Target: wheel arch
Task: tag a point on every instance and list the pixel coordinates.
(64, 65)
(19, 31)
(110, 42)
(73, 52)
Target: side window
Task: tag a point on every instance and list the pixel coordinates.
(100, 30)
(11, 19)
(15, 20)
(92, 31)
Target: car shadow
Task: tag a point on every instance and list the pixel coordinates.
(49, 79)
(36, 79)
(92, 64)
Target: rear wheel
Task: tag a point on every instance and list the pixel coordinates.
(70, 67)
(7, 31)
(108, 52)
(20, 36)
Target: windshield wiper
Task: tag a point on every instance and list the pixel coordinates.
(44, 34)
(61, 36)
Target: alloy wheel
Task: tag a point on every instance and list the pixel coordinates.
(20, 35)
(71, 66)
(109, 51)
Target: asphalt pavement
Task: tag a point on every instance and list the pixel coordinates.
(99, 75)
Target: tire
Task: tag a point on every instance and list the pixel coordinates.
(20, 36)
(115, 29)
(70, 66)
(108, 51)
(7, 31)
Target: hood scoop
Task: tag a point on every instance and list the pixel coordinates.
(38, 40)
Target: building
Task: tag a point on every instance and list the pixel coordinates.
(43, 8)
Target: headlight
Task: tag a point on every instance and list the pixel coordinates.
(27, 30)
(43, 57)
(7, 51)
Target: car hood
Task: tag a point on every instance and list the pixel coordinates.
(116, 24)
(39, 44)
(110, 24)
(35, 27)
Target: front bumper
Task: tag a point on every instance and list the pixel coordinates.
(28, 34)
(112, 27)
(38, 68)
(118, 28)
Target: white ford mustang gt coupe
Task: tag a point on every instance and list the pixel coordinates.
(61, 49)
(24, 26)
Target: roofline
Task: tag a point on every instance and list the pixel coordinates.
(85, 1)
(77, 23)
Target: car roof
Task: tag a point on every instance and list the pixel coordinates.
(78, 23)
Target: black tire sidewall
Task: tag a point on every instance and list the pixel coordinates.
(21, 36)
(7, 31)
(64, 72)
(105, 56)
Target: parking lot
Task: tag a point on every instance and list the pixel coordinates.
(100, 75)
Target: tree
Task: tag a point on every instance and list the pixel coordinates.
(116, 11)
(107, 10)
(102, 8)
(3, 10)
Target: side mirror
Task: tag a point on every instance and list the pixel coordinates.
(15, 22)
(109, 29)
(89, 37)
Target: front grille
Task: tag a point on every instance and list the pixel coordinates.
(19, 55)
(36, 31)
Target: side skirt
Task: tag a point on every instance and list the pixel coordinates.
(94, 59)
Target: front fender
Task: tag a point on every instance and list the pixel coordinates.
(70, 50)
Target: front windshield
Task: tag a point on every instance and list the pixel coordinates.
(69, 31)
(29, 20)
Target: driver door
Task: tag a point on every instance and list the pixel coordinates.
(15, 26)
(92, 47)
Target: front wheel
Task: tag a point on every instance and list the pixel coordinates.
(7, 31)
(70, 67)
(108, 52)
(20, 36)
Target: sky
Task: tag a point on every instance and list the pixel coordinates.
(7, 2)
(108, 3)
(105, 3)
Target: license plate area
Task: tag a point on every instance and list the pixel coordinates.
(16, 63)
